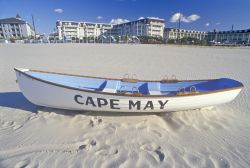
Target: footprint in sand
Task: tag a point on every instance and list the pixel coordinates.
(9, 124)
(151, 148)
(157, 133)
(95, 121)
(17, 127)
(93, 143)
(141, 125)
(221, 161)
(22, 164)
(32, 117)
(81, 147)
(160, 154)
(86, 145)
(108, 151)
(91, 123)
(26, 164)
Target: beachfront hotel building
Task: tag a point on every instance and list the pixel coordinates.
(79, 30)
(174, 34)
(232, 36)
(150, 26)
(142, 27)
(15, 28)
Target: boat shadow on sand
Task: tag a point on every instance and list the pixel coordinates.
(16, 100)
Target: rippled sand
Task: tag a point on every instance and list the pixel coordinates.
(32, 136)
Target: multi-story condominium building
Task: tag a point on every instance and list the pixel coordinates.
(149, 26)
(174, 34)
(15, 28)
(73, 30)
(142, 27)
(233, 36)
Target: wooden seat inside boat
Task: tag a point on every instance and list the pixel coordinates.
(111, 86)
(154, 88)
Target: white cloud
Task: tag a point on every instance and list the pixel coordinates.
(207, 24)
(58, 10)
(141, 18)
(193, 18)
(99, 17)
(176, 17)
(152, 17)
(218, 23)
(118, 21)
(186, 19)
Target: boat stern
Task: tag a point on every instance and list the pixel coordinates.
(21, 70)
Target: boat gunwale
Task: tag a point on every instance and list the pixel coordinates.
(119, 94)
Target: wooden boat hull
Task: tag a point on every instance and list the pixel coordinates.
(49, 95)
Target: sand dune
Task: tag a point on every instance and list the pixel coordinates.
(34, 136)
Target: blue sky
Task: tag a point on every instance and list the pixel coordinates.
(196, 14)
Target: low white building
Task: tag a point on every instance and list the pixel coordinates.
(74, 30)
(232, 36)
(15, 28)
(223, 37)
(175, 34)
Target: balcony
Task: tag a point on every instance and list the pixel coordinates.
(90, 27)
(74, 26)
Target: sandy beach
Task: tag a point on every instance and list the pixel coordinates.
(32, 136)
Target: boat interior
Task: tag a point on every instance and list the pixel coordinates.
(126, 86)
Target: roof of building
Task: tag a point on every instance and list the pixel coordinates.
(18, 16)
(230, 31)
(109, 24)
(184, 30)
(82, 22)
(12, 20)
(234, 31)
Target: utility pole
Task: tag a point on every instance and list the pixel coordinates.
(110, 36)
(215, 31)
(34, 26)
(179, 27)
(54, 34)
(248, 38)
(137, 28)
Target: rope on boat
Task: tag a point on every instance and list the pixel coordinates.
(173, 79)
(126, 78)
(192, 89)
(134, 76)
(165, 77)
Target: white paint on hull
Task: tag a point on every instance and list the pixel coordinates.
(44, 94)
